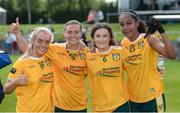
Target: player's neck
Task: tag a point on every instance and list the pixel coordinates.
(134, 37)
(104, 50)
(72, 46)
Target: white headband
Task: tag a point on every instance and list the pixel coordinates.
(131, 14)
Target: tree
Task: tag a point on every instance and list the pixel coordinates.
(7, 4)
(59, 11)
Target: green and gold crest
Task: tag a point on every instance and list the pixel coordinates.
(116, 56)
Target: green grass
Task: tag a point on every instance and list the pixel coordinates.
(9, 103)
(26, 28)
(171, 27)
(171, 80)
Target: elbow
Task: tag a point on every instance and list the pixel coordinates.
(6, 91)
(172, 56)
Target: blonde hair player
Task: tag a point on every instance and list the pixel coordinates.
(32, 75)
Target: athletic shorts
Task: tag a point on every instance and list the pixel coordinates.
(155, 105)
(58, 110)
(123, 108)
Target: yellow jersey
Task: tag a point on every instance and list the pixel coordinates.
(69, 86)
(140, 61)
(36, 96)
(106, 79)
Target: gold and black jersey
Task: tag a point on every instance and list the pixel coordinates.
(36, 95)
(69, 87)
(140, 61)
(106, 79)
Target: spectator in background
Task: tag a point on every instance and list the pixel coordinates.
(153, 5)
(10, 42)
(99, 16)
(91, 16)
(95, 16)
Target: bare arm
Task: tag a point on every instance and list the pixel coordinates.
(15, 28)
(169, 48)
(163, 47)
(11, 84)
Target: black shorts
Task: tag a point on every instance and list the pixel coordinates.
(123, 108)
(155, 105)
(59, 110)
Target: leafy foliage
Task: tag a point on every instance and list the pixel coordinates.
(59, 11)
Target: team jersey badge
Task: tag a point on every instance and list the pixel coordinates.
(140, 44)
(41, 64)
(82, 56)
(116, 56)
(13, 70)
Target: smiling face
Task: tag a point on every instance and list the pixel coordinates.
(73, 33)
(40, 44)
(128, 24)
(102, 39)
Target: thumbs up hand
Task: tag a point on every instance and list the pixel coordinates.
(21, 79)
(15, 27)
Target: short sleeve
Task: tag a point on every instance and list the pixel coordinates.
(53, 49)
(16, 70)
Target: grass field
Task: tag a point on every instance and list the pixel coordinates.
(172, 29)
(171, 80)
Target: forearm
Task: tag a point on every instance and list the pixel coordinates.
(22, 43)
(169, 48)
(10, 87)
